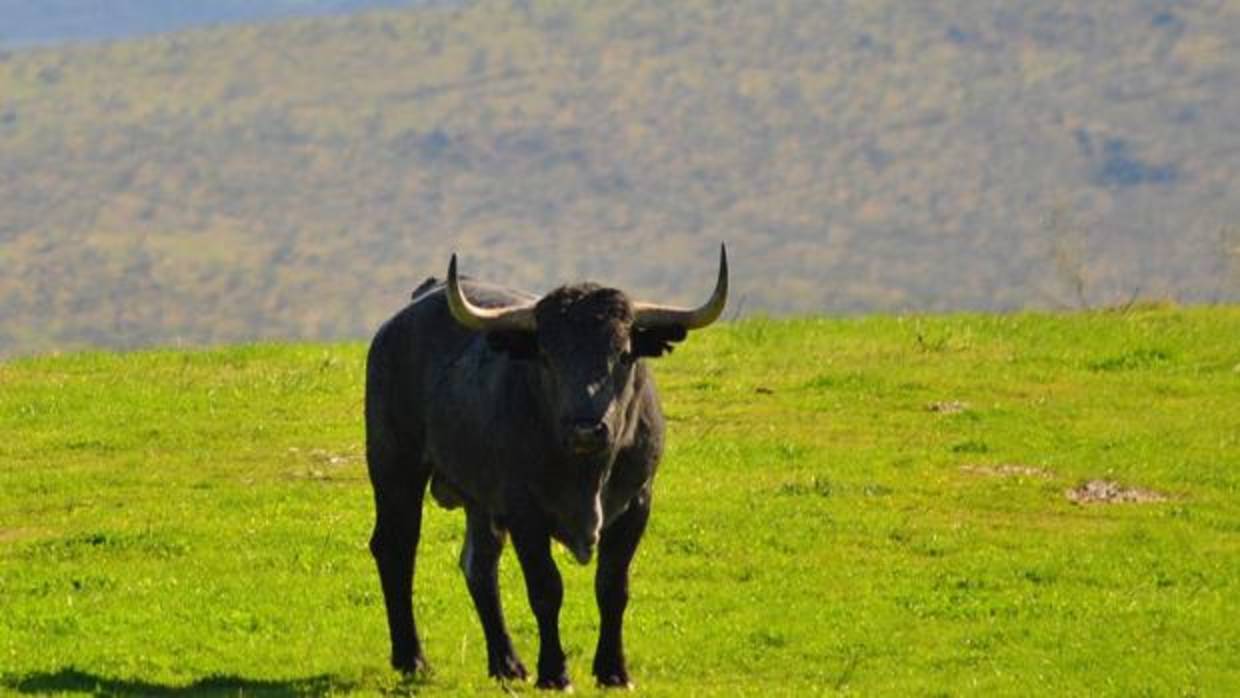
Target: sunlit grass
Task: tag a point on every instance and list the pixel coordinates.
(874, 506)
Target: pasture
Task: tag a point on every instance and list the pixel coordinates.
(867, 506)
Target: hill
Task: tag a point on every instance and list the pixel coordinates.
(298, 179)
(877, 506)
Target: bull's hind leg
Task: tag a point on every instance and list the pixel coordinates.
(480, 563)
(611, 587)
(399, 484)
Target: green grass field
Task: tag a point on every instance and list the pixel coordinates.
(872, 506)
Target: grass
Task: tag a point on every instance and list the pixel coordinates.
(872, 506)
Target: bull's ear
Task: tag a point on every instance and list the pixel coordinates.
(517, 345)
(656, 341)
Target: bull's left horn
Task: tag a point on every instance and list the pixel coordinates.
(650, 315)
(512, 318)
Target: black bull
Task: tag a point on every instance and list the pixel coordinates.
(540, 419)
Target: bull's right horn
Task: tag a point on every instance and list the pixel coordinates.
(651, 315)
(519, 318)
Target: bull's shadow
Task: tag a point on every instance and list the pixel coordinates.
(73, 680)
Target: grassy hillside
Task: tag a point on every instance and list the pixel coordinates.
(875, 506)
(296, 180)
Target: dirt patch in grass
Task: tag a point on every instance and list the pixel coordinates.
(14, 534)
(1109, 492)
(948, 407)
(327, 466)
(325, 457)
(1008, 470)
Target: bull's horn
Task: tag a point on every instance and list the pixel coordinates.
(650, 315)
(512, 318)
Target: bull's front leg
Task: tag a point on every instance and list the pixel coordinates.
(480, 563)
(532, 540)
(611, 588)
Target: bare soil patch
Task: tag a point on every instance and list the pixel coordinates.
(948, 407)
(1110, 492)
(8, 535)
(1008, 470)
(324, 457)
(326, 466)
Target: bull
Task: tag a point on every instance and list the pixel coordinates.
(538, 417)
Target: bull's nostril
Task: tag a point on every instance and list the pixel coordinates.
(588, 435)
(590, 429)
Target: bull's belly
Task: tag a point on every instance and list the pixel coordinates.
(472, 488)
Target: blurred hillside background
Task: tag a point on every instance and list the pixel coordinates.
(296, 177)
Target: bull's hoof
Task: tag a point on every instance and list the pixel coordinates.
(411, 665)
(507, 668)
(612, 674)
(555, 683)
(616, 681)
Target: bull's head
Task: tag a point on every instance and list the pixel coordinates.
(585, 341)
